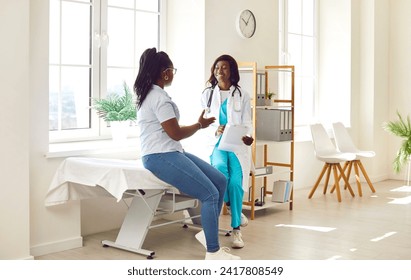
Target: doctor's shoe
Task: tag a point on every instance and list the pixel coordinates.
(238, 242)
(200, 236)
(222, 254)
(244, 220)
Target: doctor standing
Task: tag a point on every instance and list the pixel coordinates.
(230, 105)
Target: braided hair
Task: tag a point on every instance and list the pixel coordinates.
(152, 63)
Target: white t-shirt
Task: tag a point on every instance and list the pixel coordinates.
(157, 108)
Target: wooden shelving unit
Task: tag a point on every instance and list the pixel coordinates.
(284, 84)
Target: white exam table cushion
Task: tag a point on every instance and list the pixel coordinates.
(81, 178)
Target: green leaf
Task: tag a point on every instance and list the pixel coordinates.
(116, 107)
(400, 128)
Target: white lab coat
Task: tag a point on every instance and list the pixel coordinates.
(234, 117)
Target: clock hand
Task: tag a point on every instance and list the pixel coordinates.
(249, 16)
(246, 23)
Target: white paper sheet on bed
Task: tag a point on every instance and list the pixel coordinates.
(81, 178)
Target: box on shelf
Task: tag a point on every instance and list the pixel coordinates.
(274, 124)
(260, 100)
(282, 191)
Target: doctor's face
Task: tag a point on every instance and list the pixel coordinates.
(222, 72)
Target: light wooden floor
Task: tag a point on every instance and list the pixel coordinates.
(373, 227)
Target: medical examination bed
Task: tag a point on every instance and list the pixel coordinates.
(83, 178)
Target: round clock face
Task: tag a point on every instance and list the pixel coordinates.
(246, 24)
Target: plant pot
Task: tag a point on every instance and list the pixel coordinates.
(119, 131)
(269, 102)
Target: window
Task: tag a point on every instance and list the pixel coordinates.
(95, 45)
(298, 47)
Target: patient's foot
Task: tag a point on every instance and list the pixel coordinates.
(222, 254)
(200, 236)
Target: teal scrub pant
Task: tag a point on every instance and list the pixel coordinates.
(228, 164)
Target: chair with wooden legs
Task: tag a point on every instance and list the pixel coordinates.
(345, 144)
(325, 151)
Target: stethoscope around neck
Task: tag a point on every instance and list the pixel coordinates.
(237, 103)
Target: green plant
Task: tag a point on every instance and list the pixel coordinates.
(401, 128)
(270, 95)
(116, 107)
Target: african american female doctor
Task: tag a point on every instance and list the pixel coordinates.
(230, 105)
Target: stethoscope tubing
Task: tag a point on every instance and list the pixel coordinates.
(211, 97)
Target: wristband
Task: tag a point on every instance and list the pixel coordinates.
(200, 126)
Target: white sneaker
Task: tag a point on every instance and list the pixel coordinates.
(200, 236)
(244, 220)
(222, 254)
(238, 242)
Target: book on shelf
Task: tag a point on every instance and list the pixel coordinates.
(282, 191)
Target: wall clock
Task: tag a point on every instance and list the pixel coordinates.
(246, 24)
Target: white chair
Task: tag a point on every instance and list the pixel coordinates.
(325, 151)
(345, 144)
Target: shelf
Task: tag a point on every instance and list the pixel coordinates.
(278, 79)
(268, 204)
(271, 142)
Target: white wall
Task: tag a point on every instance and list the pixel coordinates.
(221, 35)
(14, 125)
(334, 67)
(399, 67)
(380, 84)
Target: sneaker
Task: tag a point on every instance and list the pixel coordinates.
(244, 220)
(200, 236)
(222, 254)
(238, 242)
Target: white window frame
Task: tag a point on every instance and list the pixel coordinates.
(99, 129)
(301, 130)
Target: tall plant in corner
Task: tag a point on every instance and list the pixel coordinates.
(401, 128)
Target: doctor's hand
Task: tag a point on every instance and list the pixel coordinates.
(248, 140)
(219, 130)
(205, 122)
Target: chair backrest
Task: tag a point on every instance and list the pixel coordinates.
(322, 142)
(343, 139)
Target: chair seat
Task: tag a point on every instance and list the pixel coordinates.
(325, 151)
(345, 144)
(365, 154)
(335, 157)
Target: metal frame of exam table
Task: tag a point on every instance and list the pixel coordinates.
(145, 205)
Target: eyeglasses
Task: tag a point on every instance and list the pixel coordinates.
(174, 70)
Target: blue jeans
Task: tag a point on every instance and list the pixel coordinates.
(196, 178)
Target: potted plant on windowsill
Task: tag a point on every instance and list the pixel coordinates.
(401, 128)
(118, 110)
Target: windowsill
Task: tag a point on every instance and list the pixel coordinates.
(130, 149)
(95, 147)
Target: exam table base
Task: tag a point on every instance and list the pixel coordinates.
(137, 223)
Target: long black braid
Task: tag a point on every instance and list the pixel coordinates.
(152, 63)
